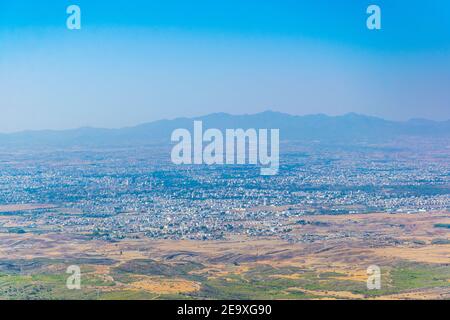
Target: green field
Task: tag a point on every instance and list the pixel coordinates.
(46, 279)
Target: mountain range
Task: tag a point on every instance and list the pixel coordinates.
(350, 127)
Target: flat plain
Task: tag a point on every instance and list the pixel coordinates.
(412, 250)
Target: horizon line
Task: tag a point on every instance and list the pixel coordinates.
(227, 114)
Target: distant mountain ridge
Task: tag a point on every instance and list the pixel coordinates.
(345, 128)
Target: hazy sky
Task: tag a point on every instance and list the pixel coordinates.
(138, 61)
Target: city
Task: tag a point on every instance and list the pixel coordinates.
(138, 192)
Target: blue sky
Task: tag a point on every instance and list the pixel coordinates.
(138, 61)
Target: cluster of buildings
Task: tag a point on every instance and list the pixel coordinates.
(132, 193)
